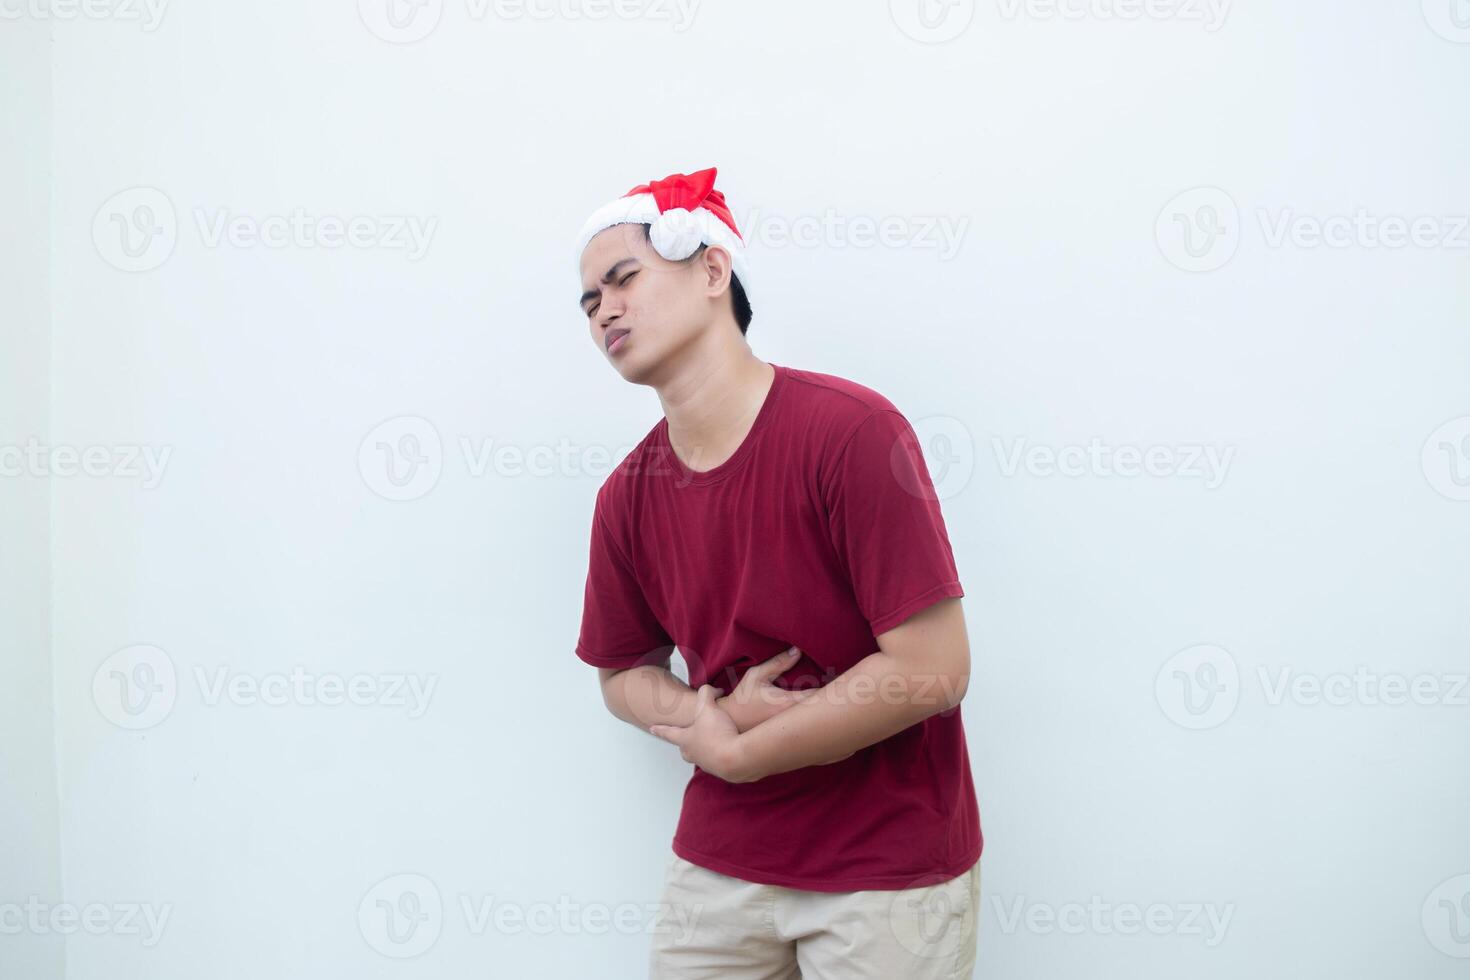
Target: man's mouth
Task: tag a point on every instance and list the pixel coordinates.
(614, 338)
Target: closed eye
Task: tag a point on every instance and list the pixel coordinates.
(607, 278)
(621, 282)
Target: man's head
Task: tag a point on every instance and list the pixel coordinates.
(661, 268)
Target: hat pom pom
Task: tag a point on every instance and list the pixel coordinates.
(676, 234)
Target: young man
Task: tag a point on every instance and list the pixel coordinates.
(780, 528)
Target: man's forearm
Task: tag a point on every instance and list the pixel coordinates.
(649, 695)
(877, 697)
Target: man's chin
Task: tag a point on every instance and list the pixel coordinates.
(642, 367)
(632, 369)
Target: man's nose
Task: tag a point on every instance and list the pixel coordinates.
(609, 312)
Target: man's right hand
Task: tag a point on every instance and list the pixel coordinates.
(757, 697)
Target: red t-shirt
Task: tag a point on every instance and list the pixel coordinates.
(820, 532)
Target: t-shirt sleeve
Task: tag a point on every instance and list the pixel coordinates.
(886, 524)
(618, 627)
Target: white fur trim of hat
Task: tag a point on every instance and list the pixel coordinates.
(683, 212)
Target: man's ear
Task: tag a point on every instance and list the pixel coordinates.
(717, 268)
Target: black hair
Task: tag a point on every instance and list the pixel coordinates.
(738, 299)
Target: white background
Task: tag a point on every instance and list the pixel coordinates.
(1075, 150)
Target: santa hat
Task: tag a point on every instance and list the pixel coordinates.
(682, 211)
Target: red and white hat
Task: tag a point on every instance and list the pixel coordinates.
(682, 211)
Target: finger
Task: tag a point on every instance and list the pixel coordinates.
(707, 696)
(776, 665)
(669, 733)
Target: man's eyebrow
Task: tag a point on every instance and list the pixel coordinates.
(607, 277)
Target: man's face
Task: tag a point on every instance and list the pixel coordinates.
(640, 307)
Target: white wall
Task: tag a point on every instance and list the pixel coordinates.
(244, 524)
(30, 846)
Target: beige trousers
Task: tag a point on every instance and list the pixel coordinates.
(711, 925)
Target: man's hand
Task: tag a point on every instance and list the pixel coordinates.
(922, 668)
(711, 742)
(757, 697)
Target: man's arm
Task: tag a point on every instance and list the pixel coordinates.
(922, 668)
(650, 694)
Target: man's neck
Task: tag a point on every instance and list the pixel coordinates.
(712, 404)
